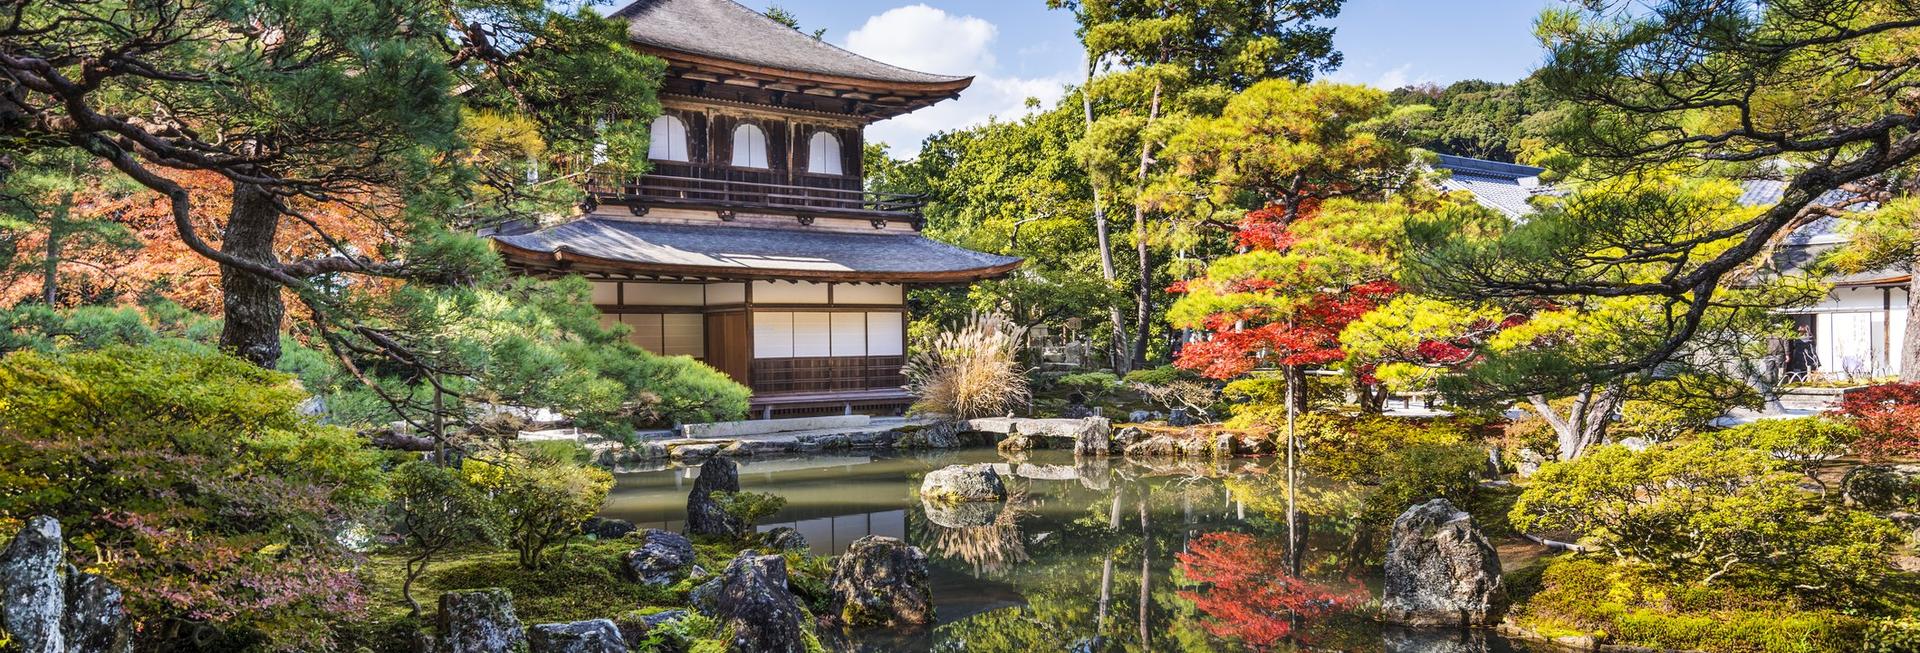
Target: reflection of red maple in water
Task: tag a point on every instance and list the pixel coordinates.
(1247, 594)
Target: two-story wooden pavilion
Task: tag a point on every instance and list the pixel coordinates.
(752, 244)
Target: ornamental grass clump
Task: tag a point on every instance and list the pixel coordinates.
(973, 371)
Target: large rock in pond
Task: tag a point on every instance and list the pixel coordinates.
(479, 621)
(1095, 437)
(664, 557)
(34, 604)
(963, 483)
(881, 582)
(593, 636)
(756, 609)
(704, 515)
(1441, 571)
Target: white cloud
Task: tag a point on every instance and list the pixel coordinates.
(926, 39)
(1396, 78)
(1364, 72)
(931, 40)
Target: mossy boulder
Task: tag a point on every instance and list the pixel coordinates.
(963, 484)
(881, 582)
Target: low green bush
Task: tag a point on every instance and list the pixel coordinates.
(749, 507)
(1416, 473)
(192, 480)
(543, 494)
(1896, 635)
(1803, 443)
(1585, 595)
(1704, 514)
(1092, 384)
(1161, 375)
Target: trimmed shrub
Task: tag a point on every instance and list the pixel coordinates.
(1584, 595)
(1699, 513)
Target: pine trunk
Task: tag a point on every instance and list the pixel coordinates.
(253, 306)
(1121, 362)
(1143, 297)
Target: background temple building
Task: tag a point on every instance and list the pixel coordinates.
(752, 244)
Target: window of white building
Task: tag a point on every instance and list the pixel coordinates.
(749, 147)
(668, 141)
(823, 154)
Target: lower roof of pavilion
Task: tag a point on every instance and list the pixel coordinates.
(620, 249)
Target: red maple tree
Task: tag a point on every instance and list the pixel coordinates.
(1241, 340)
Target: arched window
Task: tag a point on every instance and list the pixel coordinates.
(823, 154)
(669, 140)
(749, 147)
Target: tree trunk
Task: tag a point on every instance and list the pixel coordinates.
(1585, 423)
(1143, 300)
(253, 307)
(1296, 376)
(56, 232)
(1121, 362)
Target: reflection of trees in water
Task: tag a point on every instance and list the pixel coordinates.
(992, 548)
(1113, 572)
(1244, 586)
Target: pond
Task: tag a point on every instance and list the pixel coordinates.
(1099, 555)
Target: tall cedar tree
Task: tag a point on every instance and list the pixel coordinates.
(1165, 60)
(1824, 92)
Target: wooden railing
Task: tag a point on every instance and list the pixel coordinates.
(729, 187)
(826, 374)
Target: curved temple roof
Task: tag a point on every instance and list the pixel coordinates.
(722, 29)
(747, 252)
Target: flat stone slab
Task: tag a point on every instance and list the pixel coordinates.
(1000, 425)
(768, 426)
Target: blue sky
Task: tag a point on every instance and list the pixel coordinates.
(1017, 49)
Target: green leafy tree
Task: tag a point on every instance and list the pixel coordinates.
(1165, 61)
(1813, 91)
(543, 495)
(308, 104)
(438, 510)
(39, 201)
(1479, 119)
(1589, 349)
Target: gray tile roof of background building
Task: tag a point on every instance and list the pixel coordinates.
(727, 30)
(745, 249)
(1504, 187)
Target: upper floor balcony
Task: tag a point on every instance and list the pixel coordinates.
(729, 189)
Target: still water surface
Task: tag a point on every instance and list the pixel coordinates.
(1088, 556)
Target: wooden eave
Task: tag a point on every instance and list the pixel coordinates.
(562, 261)
(874, 99)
